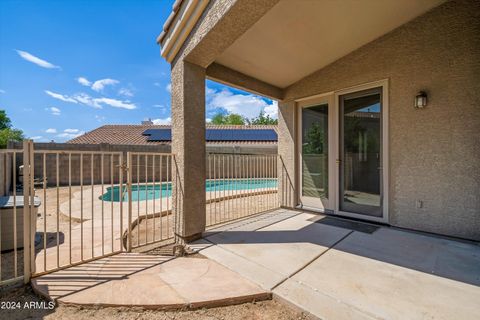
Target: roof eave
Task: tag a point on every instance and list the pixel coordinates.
(185, 15)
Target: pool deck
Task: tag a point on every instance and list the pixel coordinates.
(101, 230)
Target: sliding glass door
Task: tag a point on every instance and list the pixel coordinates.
(343, 155)
(360, 146)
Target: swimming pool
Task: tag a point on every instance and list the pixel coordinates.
(148, 191)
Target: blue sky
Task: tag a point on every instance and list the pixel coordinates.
(67, 67)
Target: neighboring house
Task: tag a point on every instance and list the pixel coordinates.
(263, 136)
(414, 64)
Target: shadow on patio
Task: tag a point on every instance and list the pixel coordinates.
(139, 280)
(332, 267)
(438, 256)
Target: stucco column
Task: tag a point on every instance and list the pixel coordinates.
(287, 177)
(188, 146)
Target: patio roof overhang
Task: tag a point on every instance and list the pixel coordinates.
(266, 47)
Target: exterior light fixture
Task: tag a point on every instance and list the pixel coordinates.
(420, 100)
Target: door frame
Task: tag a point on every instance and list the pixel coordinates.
(383, 84)
(328, 204)
(333, 99)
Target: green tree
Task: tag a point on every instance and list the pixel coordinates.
(314, 140)
(8, 133)
(228, 119)
(263, 119)
(4, 120)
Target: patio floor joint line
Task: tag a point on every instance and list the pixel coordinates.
(311, 261)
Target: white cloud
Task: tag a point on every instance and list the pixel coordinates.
(70, 133)
(116, 103)
(85, 99)
(169, 87)
(84, 81)
(161, 106)
(162, 121)
(51, 130)
(125, 92)
(99, 118)
(60, 96)
(272, 110)
(2, 91)
(157, 84)
(99, 85)
(247, 105)
(54, 111)
(71, 130)
(36, 138)
(36, 60)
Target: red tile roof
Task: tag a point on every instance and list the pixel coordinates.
(132, 135)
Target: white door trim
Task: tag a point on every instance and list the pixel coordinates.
(385, 151)
(319, 204)
(333, 147)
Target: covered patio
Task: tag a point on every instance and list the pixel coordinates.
(365, 91)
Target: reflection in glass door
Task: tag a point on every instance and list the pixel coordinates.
(314, 155)
(361, 152)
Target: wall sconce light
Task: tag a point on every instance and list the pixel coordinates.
(420, 100)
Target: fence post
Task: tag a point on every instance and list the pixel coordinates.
(28, 205)
(129, 190)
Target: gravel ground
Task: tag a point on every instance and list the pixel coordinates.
(265, 310)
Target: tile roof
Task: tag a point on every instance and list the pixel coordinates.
(133, 135)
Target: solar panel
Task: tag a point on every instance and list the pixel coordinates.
(218, 135)
(158, 134)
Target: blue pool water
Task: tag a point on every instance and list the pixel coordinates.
(157, 191)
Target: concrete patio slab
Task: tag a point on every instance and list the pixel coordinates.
(438, 256)
(265, 277)
(255, 222)
(150, 282)
(317, 303)
(270, 254)
(334, 272)
(377, 289)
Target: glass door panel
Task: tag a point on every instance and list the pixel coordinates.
(314, 165)
(361, 153)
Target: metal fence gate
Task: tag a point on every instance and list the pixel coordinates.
(149, 192)
(61, 208)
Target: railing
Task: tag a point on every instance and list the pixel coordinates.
(80, 206)
(85, 205)
(150, 190)
(11, 219)
(286, 187)
(240, 185)
(79, 219)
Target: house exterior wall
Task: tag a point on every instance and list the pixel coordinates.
(287, 168)
(434, 152)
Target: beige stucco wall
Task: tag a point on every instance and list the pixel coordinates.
(287, 172)
(435, 152)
